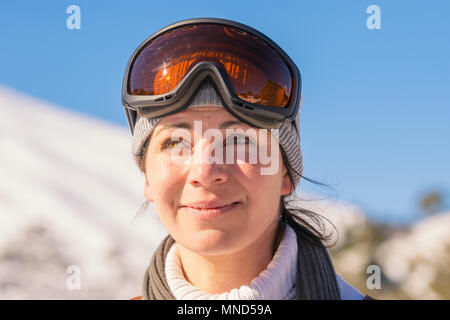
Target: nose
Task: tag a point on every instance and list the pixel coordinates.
(204, 170)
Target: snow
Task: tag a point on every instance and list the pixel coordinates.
(415, 258)
(69, 189)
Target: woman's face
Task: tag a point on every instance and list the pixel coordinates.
(176, 182)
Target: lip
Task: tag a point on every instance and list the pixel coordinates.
(210, 209)
(211, 204)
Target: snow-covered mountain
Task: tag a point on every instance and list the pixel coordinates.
(418, 259)
(69, 193)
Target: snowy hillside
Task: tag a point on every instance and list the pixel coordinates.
(69, 191)
(419, 259)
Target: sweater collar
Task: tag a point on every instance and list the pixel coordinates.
(276, 282)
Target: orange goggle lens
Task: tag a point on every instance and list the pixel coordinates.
(257, 72)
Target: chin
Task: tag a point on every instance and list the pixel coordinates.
(212, 242)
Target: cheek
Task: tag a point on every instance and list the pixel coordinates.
(263, 190)
(165, 180)
(263, 175)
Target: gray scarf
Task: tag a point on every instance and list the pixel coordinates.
(315, 280)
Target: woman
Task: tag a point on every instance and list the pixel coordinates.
(213, 106)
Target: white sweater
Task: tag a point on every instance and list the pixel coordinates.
(276, 282)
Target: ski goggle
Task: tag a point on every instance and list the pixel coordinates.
(256, 80)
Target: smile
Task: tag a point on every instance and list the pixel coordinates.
(203, 211)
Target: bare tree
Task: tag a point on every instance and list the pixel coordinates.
(432, 202)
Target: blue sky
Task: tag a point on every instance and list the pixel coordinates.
(376, 112)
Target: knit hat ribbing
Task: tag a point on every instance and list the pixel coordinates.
(288, 137)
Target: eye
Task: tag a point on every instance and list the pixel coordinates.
(171, 143)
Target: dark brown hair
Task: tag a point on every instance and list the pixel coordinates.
(315, 230)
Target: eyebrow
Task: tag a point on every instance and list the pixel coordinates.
(185, 125)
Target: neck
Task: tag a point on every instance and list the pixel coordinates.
(221, 273)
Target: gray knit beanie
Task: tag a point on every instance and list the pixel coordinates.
(288, 139)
